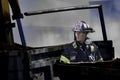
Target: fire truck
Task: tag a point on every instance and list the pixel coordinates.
(21, 62)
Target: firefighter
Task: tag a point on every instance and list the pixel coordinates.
(81, 49)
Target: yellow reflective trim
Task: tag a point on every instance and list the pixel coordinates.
(74, 45)
(64, 59)
(99, 60)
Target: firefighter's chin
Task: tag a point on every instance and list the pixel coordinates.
(80, 40)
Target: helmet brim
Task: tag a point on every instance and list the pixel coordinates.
(88, 30)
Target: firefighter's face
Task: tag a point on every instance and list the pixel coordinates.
(80, 36)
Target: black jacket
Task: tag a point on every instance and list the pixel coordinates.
(77, 52)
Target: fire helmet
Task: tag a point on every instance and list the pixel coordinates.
(81, 26)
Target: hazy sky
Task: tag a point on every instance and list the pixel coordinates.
(53, 29)
(111, 14)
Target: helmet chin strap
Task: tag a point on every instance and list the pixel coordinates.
(75, 37)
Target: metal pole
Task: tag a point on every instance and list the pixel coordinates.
(59, 10)
(74, 8)
(22, 37)
(17, 15)
(26, 55)
(102, 23)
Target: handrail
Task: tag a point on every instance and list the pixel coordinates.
(46, 11)
(54, 10)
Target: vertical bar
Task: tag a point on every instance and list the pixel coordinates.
(26, 55)
(6, 35)
(22, 37)
(102, 23)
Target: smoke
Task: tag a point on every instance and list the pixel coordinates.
(113, 34)
(54, 29)
(50, 29)
(111, 15)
